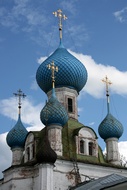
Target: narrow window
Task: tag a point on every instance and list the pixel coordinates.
(90, 148)
(28, 153)
(33, 150)
(81, 146)
(70, 105)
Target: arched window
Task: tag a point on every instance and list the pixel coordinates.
(90, 148)
(81, 146)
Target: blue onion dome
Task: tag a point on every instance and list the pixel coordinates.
(46, 154)
(54, 112)
(72, 73)
(110, 127)
(17, 135)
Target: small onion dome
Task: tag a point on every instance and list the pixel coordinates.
(54, 112)
(72, 73)
(16, 136)
(45, 153)
(110, 127)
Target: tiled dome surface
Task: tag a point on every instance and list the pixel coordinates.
(110, 127)
(72, 73)
(54, 112)
(16, 136)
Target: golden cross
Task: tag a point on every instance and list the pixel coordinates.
(61, 16)
(107, 82)
(53, 69)
(20, 95)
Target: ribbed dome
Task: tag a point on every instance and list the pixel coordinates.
(110, 127)
(45, 153)
(72, 73)
(16, 136)
(54, 112)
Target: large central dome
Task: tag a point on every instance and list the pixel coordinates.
(72, 73)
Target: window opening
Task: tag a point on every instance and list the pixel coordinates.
(33, 153)
(28, 153)
(81, 146)
(70, 105)
(90, 148)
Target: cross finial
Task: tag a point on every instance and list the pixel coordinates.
(53, 69)
(60, 16)
(20, 95)
(107, 82)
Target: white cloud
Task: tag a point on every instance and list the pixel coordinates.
(30, 116)
(121, 15)
(96, 72)
(26, 16)
(34, 85)
(22, 11)
(30, 112)
(31, 15)
(35, 128)
(122, 148)
(69, 6)
(92, 123)
(41, 59)
(80, 109)
(5, 154)
(78, 33)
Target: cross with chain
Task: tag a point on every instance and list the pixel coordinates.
(60, 16)
(107, 82)
(20, 95)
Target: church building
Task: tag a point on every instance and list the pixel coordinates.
(65, 154)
